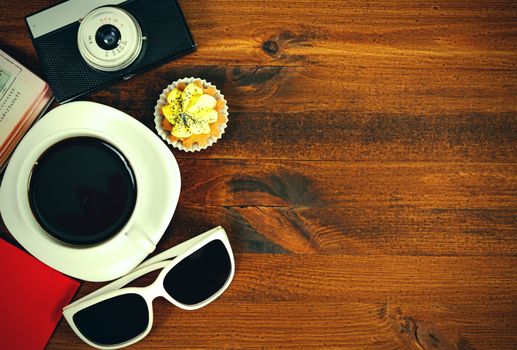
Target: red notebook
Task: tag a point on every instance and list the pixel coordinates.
(32, 296)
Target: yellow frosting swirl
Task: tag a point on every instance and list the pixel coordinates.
(190, 111)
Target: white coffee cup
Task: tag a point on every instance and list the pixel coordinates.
(158, 187)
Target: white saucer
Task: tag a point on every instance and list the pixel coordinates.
(158, 188)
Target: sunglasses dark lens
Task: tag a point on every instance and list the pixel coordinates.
(115, 320)
(200, 275)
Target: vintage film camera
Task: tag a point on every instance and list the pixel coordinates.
(86, 44)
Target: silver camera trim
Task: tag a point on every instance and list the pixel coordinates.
(118, 58)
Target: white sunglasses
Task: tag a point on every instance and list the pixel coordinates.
(194, 273)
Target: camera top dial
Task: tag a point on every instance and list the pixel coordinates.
(109, 39)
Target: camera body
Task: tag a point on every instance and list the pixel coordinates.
(84, 45)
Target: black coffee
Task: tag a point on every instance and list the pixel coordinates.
(82, 190)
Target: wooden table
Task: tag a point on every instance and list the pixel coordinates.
(367, 178)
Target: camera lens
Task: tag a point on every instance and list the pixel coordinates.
(107, 37)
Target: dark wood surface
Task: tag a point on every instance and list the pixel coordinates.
(367, 178)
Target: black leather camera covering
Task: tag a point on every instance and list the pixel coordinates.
(161, 21)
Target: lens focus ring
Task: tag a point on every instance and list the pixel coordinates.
(109, 39)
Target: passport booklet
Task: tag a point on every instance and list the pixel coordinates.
(32, 297)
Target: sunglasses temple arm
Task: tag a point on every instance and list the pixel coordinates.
(121, 282)
(178, 249)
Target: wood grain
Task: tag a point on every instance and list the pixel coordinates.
(310, 184)
(347, 301)
(353, 90)
(355, 231)
(332, 325)
(404, 58)
(367, 178)
(333, 136)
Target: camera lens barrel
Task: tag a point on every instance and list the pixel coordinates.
(109, 39)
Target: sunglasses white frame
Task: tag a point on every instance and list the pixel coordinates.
(165, 261)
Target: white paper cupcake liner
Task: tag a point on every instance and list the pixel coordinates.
(162, 101)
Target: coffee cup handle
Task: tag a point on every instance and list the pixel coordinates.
(139, 237)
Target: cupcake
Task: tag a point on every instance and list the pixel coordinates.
(191, 114)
